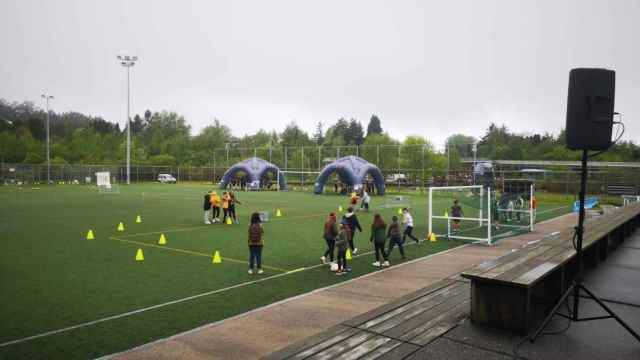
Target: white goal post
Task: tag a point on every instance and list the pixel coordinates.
(302, 175)
(482, 220)
(486, 217)
(105, 183)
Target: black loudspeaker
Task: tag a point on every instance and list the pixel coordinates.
(590, 108)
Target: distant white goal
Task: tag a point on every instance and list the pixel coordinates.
(107, 184)
(298, 180)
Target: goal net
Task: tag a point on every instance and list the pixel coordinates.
(630, 199)
(298, 180)
(460, 212)
(478, 214)
(107, 184)
(514, 210)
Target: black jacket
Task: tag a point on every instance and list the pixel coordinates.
(207, 202)
(353, 223)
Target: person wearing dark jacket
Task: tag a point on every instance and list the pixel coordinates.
(395, 236)
(330, 233)
(342, 242)
(207, 208)
(379, 237)
(352, 222)
(256, 232)
(233, 200)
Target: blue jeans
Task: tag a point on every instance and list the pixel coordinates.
(255, 254)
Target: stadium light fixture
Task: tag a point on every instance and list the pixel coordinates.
(46, 98)
(128, 62)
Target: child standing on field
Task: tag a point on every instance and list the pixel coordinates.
(215, 207)
(256, 232)
(342, 243)
(207, 208)
(395, 236)
(378, 237)
(226, 199)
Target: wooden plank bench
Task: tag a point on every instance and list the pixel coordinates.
(514, 291)
(392, 331)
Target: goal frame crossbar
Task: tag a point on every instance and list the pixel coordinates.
(483, 219)
(294, 172)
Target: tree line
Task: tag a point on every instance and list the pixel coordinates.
(165, 138)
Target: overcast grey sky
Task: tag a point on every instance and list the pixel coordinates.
(431, 68)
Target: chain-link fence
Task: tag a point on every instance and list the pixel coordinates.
(405, 167)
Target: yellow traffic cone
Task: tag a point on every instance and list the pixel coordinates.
(446, 214)
(121, 227)
(139, 255)
(229, 222)
(163, 240)
(339, 208)
(138, 219)
(216, 258)
(432, 237)
(278, 213)
(399, 211)
(348, 255)
(90, 235)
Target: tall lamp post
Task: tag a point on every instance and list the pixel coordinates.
(46, 99)
(128, 62)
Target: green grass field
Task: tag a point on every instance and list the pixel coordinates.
(67, 297)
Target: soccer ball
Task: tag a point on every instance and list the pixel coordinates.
(334, 267)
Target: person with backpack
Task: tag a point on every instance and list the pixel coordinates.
(330, 233)
(342, 243)
(352, 222)
(395, 237)
(207, 208)
(255, 241)
(378, 237)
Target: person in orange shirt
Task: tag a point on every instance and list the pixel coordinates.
(215, 206)
(226, 198)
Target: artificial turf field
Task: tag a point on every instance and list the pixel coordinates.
(103, 301)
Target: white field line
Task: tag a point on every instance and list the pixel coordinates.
(283, 301)
(188, 298)
(554, 209)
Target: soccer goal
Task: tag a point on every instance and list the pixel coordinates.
(630, 199)
(106, 183)
(298, 180)
(515, 209)
(473, 223)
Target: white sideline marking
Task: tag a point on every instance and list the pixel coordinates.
(126, 314)
(137, 311)
(143, 346)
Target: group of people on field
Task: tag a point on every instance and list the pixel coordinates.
(212, 204)
(341, 237)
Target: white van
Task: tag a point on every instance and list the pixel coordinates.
(166, 179)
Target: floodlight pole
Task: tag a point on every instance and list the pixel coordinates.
(47, 98)
(128, 62)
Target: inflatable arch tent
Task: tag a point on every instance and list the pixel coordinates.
(256, 169)
(351, 170)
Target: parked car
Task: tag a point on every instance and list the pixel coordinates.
(166, 179)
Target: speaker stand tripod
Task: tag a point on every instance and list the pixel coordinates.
(577, 286)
